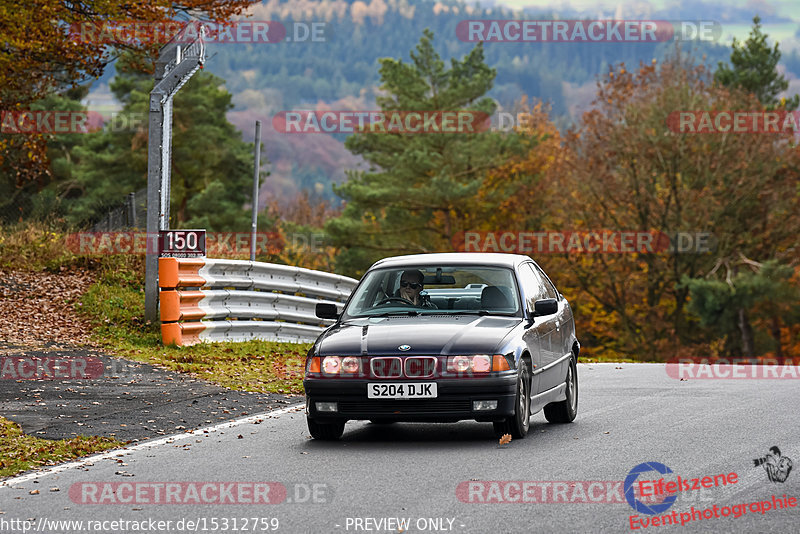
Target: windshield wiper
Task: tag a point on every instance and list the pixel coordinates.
(485, 312)
(409, 313)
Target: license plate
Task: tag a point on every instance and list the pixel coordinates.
(401, 390)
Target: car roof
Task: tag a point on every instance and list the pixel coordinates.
(494, 259)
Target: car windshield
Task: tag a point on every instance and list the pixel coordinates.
(440, 289)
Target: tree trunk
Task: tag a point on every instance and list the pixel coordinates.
(776, 333)
(747, 334)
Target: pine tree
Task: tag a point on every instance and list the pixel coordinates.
(211, 165)
(419, 191)
(724, 306)
(755, 69)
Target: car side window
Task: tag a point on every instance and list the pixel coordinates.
(549, 288)
(531, 285)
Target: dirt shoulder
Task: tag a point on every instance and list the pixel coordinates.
(131, 401)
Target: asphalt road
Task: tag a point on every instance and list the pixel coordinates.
(128, 400)
(628, 414)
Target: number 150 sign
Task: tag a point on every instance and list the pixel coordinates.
(182, 243)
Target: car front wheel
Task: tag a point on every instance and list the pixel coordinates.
(325, 431)
(518, 424)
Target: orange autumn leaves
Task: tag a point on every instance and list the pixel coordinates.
(40, 56)
(621, 168)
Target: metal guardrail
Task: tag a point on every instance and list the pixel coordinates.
(277, 301)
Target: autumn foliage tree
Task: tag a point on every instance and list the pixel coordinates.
(522, 192)
(629, 169)
(41, 55)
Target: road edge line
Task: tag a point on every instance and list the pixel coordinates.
(21, 479)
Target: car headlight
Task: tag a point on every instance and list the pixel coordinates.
(459, 364)
(350, 364)
(477, 363)
(334, 365)
(331, 365)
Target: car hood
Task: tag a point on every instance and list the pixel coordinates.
(456, 334)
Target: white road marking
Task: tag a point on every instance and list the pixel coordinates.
(149, 444)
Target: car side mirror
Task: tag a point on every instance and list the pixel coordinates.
(545, 307)
(326, 310)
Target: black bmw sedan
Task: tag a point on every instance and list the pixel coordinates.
(444, 338)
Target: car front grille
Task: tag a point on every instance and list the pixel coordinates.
(409, 366)
(386, 367)
(403, 406)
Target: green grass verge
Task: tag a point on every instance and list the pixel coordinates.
(20, 452)
(115, 306)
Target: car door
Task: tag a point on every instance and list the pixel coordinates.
(560, 336)
(549, 327)
(538, 336)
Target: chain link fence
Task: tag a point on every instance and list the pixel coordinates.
(126, 213)
(131, 213)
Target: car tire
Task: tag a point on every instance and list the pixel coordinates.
(518, 424)
(566, 410)
(325, 431)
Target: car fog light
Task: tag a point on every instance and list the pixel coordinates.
(484, 405)
(328, 407)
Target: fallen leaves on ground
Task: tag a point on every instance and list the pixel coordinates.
(20, 452)
(37, 308)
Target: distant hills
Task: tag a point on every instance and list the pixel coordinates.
(342, 72)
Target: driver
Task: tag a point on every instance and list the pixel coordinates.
(411, 287)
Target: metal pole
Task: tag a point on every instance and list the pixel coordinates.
(255, 192)
(154, 161)
(166, 165)
(174, 67)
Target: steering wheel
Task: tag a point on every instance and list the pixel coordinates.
(400, 299)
